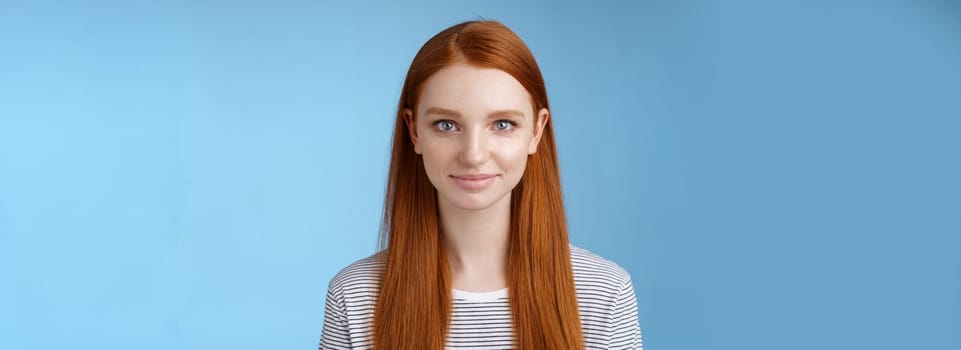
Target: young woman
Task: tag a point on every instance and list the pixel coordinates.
(476, 253)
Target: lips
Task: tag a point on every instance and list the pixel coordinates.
(474, 182)
(473, 177)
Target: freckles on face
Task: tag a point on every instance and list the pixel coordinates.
(474, 127)
(467, 109)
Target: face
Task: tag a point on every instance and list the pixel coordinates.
(475, 128)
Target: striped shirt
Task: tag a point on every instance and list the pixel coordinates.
(605, 297)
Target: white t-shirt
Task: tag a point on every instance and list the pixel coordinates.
(605, 298)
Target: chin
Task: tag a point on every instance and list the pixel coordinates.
(474, 201)
(467, 204)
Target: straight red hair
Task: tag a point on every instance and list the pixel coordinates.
(414, 305)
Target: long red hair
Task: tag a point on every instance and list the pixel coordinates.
(414, 305)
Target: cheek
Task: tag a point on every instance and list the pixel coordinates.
(513, 154)
(437, 153)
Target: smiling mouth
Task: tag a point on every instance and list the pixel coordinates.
(473, 177)
(474, 182)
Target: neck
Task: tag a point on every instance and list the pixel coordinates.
(476, 243)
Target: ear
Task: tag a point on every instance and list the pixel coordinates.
(541, 121)
(411, 128)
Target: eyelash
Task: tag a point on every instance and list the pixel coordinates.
(436, 125)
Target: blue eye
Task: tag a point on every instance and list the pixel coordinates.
(444, 125)
(503, 125)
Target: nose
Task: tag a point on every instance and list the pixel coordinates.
(474, 150)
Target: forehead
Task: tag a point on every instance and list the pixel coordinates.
(473, 91)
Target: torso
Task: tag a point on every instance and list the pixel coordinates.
(482, 320)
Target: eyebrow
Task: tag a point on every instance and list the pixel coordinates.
(495, 114)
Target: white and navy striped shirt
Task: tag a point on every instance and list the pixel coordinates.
(605, 298)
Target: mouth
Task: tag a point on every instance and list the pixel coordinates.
(474, 182)
(473, 177)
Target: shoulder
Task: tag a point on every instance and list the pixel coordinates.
(363, 274)
(351, 298)
(606, 300)
(593, 272)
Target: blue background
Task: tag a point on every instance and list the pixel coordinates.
(190, 175)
